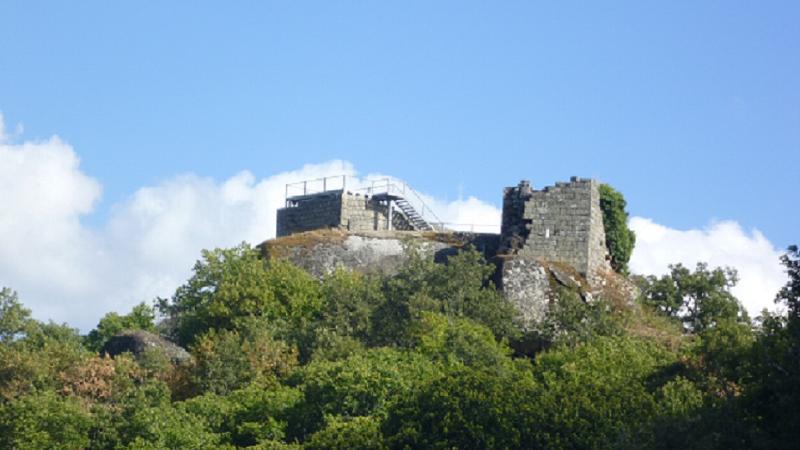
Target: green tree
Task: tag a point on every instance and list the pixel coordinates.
(357, 433)
(226, 360)
(620, 239)
(460, 288)
(364, 384)
(36, 358)
(229, 285)
(774, 391)
(458, 340)
(571, 319)
(466, 409)
(701, 298)
(790, 293)
(246, 417)
(141, 317)
(349, 302)
(14, 318)
(44, 420)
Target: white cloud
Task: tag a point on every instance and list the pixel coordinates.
(69, 272)
(42, 242)
(719, 244)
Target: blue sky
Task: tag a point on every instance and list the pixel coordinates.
(691, 109)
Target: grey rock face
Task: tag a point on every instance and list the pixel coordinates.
(526, 284)
(137, 342)
(375, 251)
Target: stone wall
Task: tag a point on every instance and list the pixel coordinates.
(320, 211)
(336, 209)
(561, 223)
(361, 213)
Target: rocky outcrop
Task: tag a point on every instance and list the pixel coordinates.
(526, 285)
(137, 342)
(322, 251)
(529, 283)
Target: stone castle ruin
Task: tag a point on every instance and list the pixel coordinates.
(562, 223)
(555, 233)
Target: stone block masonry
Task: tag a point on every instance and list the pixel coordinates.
(315, 212)
(338, 210)
(561, 223)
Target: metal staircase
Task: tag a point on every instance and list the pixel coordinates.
(414, 219)
(406, 208)
(401, 198)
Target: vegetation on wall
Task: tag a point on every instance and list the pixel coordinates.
(619, 238)
(420, 359)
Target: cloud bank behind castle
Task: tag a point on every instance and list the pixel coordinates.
(67, 271)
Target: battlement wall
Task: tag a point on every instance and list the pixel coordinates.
(562, 223)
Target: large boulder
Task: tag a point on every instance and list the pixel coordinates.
(137, 342)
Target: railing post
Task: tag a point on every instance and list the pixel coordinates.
(325, 184)
(344, 182)
(305, 183)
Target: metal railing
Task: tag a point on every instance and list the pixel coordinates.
(378, 186)
(315, 186)
(400, 188)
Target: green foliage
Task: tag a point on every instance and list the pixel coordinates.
(458, 340)
(229, 285)
(14, 318)
(465, 409)
(364, 384)
(419, 359)
(250, 416)
(570, 320)
(230, 359)
(460, 288)
(349, 302)
(772, 396)
(44, 420)
(141, 317)
(357, 433)
(620, 239)
(140, 415)
(701, 299)
(35, 360)
(598, 395)
(790, 293)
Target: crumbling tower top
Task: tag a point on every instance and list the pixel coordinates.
(561, 223)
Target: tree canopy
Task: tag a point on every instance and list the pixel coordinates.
(428, 357)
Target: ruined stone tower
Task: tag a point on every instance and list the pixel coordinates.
(561, 223)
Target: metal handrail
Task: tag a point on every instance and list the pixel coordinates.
(376, 186)
(401, 188)
(311, 183)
